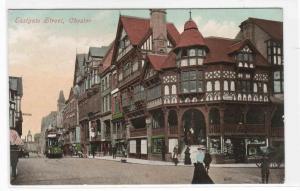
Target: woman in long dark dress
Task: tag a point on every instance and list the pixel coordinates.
(200, 174)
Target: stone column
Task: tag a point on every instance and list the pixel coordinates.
(222, 129)
(149, 134)
(166, 132)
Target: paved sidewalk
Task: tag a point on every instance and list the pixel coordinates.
(164, 163)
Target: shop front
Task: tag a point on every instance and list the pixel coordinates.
(138, 148)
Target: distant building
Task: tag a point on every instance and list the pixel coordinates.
(53, 120)
(31, 143)
(48, 121)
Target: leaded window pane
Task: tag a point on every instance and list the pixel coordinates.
(192, 87)
(277, 88)
(193, 75)
(193, 61)
(200, 61)
(185, 87)
(277, 75)
(184, 76)
(200, 86)
(192, 52)
(184, 62)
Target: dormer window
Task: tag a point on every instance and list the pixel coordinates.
(245, 58)
(274, 51)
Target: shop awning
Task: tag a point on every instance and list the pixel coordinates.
(14, 138)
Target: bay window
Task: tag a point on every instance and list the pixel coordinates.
(191, 81)
(274, 52)
(278, 82)
(153, 93)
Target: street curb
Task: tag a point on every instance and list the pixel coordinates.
(160, 163)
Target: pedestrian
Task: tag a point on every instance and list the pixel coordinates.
(93, 152)
(200, 175)
(175, 155)
(187, 156)
(163, 152)
(207, 160)
(114, 151)
(265, 169)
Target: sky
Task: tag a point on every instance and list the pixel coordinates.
(43, 54)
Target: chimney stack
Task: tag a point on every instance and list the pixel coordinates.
(159, 30)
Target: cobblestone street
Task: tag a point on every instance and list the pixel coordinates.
(44, 171)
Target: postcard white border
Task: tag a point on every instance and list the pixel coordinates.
(292, 99)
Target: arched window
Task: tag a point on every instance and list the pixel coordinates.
(265, 88)
(209, 86)
(217, 85)
(167, 92)
(232, 86)
(255, 87)
(225, 85)
(173, 89)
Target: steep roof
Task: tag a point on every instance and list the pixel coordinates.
(273, 28)
(221, 49)
(79, 63)
(98, 52)
(157, 60)
(190, 36)
(107, 60)
(218, 49)
(137, 28)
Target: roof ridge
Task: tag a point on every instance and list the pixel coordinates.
(219, 37)
(253, 18)
(135, 17)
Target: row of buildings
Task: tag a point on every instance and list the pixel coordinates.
(153, 88)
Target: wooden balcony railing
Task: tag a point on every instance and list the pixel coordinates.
(138, 132)
(214, 129)
(244, 128)
(277, 132)
(173, 130)
(129, 78)
(158, 131)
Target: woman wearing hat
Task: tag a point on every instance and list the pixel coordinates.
(200, 174)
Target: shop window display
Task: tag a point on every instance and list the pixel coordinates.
(215, 146)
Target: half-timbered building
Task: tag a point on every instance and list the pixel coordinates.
(184, 89)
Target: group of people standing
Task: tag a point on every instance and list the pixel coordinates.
(201, 164)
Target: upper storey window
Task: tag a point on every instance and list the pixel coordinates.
(192, 81)
(124, 45)
(245, 58)
(190, 57)
(275, 53)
